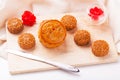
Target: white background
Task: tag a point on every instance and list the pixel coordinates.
(96, 72)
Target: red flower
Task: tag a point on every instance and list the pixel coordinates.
(95, 12)
(28, 18)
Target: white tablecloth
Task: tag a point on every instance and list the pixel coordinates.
(99, 72)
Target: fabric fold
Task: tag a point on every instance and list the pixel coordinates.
(63, 6)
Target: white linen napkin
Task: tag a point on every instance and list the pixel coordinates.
(62, 6)
(114, 17)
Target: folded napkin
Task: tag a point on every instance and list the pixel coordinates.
(114, 17)
(63, 6)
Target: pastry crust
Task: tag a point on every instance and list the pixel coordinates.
(69, 22)
(100, 48)
(15, 25)
(82, 37)
(26, 41)
(52, 33)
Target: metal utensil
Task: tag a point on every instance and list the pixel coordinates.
(36, 58)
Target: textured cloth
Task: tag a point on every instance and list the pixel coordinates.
(51, 7)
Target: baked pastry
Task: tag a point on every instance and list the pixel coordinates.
(14, 25)
(26, 41)
(69, 22)
(100, 48)
(52, 33)
(82, 37)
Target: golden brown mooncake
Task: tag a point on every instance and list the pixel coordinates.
(69, 22)
(52, 33)
(100, 48)
(26, 41)
(15, 25)
(82, 37)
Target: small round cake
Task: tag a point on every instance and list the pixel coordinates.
(26, 41)
(100, 48)
(15, 25)
(69, 22)
(82, 37)
(52, 33)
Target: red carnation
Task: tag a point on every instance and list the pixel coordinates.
(28, 18)
(95, 12)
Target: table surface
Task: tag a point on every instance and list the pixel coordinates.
(96, 72)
